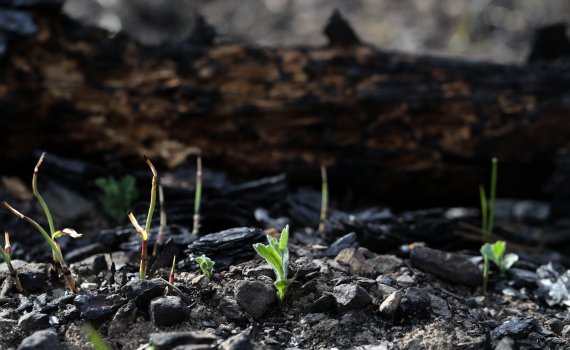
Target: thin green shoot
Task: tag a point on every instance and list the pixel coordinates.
(171, 276)
(488, 208)
(197, 196)
(206, 265)
(39, 196)
(6, 255)
(52, 243)
(95, 338)
(162, 227)
(144, 232)
(324, 198)
(276, 254)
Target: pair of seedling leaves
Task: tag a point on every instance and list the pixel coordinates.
(496, 253)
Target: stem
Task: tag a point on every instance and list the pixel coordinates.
(324, 198)
(485, 273)
(142, 270)
(13, 272)
(484, 213)
(493, 195)
(160, 238)
(152, 196)
(39, 196)
(171, 277)
(7, 246)
(197, 196)
(53, 245)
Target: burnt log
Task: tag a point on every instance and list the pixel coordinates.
(405, 127)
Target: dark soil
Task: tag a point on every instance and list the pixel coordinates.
(368, 282)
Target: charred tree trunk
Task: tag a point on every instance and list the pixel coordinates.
(386, 124)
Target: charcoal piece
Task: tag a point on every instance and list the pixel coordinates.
(235, 244)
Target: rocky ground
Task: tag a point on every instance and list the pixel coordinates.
(368, 282)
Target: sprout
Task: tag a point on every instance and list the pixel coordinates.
(144, 233)
(6, 255)
(118, 195)
(277, 255)
(488, 213)
(496, 253)
(51, 238)
(162, 227)
(324, 198)
(206, 264)
(95, 338)
(171, 276)
(198, 195)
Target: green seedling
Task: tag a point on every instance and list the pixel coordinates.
(276, 254)
(206, 265)
(324, 198)
(6, 255)
(171, 276)
(51, 239)
(118, 195)
(496, 253)
(144, 233)
(488, 211)
(197, 195)
(95, 338)
(162, 227)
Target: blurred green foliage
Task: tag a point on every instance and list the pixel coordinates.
(118, 196)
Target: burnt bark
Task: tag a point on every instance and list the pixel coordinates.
(404, 127)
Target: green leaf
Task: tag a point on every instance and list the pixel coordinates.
(509, 260)
(284, 238)
(487, 250)
(272, 257)
(499, 249)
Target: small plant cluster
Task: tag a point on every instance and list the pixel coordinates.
(118, 195)
(51, 238)
(206, 265)
(276, 254)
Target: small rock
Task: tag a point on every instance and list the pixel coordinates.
(41, 340)
(124, 317)
(455, 268)
(325, 303)
(171, 340)
(416, 303)
(505, 344)
(523, 278)
(390, 305)
(230, 309)
(99, 264)
(33, 276)
(346, 241)
(516, 327)
(98, 307)
(237, 342)
(386, 280)
(264, 270)
(386, 264)
(34, 321)
(439, 306)
(350, 296)
(168, 311)
(566, 331)
(142, 292)
(355, 259)
(405, 280)
(555, 325)
(255, 297)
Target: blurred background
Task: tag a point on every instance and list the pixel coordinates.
(496, 30)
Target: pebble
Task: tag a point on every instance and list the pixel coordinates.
(516, 327)
(455, 268)
(34, 321)
(41, 340)
(240, 341)
(168, 311)
(98, 307)
(171, 340)
(325, 303)
(255, 297)
(416, 303)
(350, 296)
(33, 276)
(123, 318)
(390, 305)
(355, 259)
(439, 306)
(346, 241)
(142, 292)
